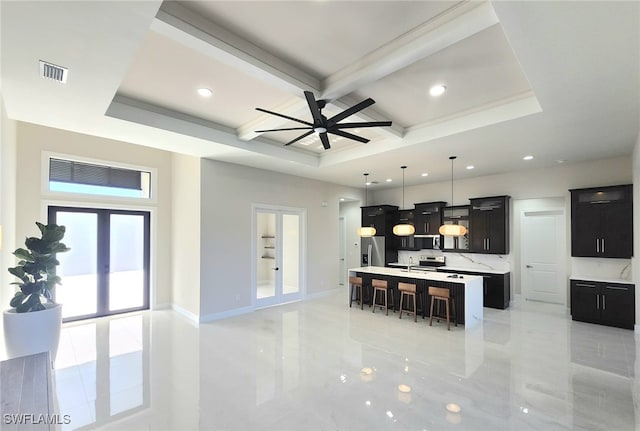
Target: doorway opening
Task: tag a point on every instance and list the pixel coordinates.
(278, 255)
(107, 270)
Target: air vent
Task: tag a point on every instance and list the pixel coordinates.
(51, 71)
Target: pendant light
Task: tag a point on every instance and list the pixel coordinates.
(366, 231)
(452, 229)
(403, 229)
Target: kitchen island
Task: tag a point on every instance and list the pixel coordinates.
(467, 289)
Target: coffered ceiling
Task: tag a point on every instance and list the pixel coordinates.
(556, 80)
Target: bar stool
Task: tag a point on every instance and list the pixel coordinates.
(382, 287)
(356, 285)
(409, 290)
(442, 295)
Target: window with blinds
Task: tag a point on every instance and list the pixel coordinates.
(81, 177)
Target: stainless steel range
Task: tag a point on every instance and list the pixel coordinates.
(429, 263)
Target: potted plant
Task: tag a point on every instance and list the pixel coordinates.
(33, 323)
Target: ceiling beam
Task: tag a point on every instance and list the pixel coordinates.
(455, 24)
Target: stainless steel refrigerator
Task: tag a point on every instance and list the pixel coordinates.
(373, 251)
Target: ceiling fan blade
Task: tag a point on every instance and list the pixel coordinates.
(284, 116)
(313, 107)
(350, 111)
(281, 130)
(348, 135)
(364, 124)
(304, 135)
(325, 140)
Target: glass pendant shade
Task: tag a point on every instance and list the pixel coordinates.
(366, 231)
(403, 229)
(452, 229)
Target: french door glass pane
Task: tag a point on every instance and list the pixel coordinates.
(266, 275)
(126, 262)
(290, 253)
(78, 267)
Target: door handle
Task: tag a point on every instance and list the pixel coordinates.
(529, 266)
(275, 268)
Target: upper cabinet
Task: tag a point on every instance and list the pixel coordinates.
(456, 215)
(489, 225)
(427, 218)
(602, 222)
(407, 242)
(381, 217)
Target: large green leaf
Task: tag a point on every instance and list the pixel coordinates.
(17, 299)
(23, 254)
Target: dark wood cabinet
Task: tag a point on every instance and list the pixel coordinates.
(427, 217)
(611, 304)
(407, 242)
(381, 217)
(602, 222)
(496, 287)
(456, 215)
(489, 225)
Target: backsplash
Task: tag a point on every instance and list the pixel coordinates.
(471, 261)
(617, 269)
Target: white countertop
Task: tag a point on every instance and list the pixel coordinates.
(601, 280)
(424, 275)
(482, 270)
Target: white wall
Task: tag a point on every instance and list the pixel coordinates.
(8, 148)
(547, 186)
(352, 215)
(31, 199)
(185, 234)
(636, 228)
(228, 191)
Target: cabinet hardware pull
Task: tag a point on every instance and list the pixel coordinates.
(617, 288)
(585, 285)
(488, 243)
(597, 245)
(603, 245)
(604, 304)
(598, 302)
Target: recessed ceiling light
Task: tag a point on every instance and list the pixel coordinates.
(527, 158)
(368, 183)
(341, 199)
(437, 90)
(470, 167)
(424, 174)
(388, 180)
(205, 92)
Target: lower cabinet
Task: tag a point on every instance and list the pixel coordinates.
(497, 287)
(611, 304)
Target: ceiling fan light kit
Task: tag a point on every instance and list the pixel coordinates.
(452, 229)
(323, 125)
(403, 229)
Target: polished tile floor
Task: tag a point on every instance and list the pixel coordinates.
(319, 365)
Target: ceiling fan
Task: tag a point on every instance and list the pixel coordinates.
(323, 125)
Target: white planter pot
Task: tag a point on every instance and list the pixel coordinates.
(35, 332)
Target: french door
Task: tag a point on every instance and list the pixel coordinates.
(278, 255)
(107, 269)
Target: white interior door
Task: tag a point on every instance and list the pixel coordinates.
(278, 255)
(342, 233)
(543, 271)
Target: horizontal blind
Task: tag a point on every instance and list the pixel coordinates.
(68, 171)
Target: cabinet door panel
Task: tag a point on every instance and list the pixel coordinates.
(478, 230)
(617, 231)
(585, 230)
(617, 306)
(584, 302)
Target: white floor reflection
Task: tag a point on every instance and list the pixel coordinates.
(102, 370)
(319, 364)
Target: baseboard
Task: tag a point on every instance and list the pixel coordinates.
(225, 314)
(192, 318)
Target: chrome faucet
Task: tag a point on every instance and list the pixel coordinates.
(410, 263)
